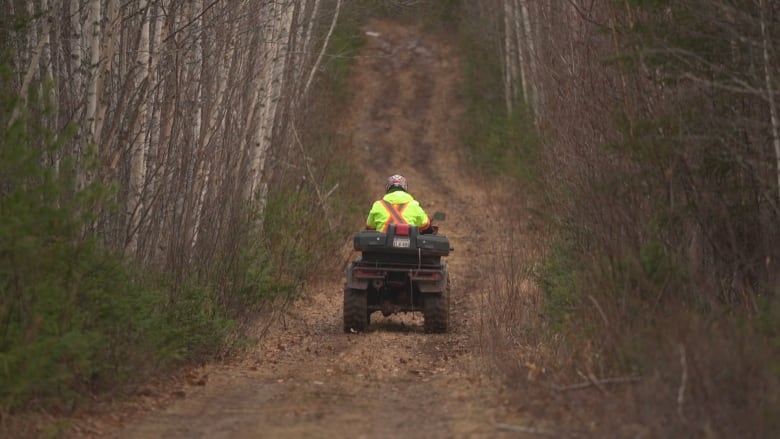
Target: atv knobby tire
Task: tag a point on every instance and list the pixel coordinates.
(355, 310)
(437, 312)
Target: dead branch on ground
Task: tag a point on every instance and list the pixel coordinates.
(594, 382)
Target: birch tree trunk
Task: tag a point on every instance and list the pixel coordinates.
(203, 166)
(770, 89)
(183, 102)
(47, 78)
(46, 68)
(76, 48)
(251, 135)
(140, 144)
(33, 36)
(302, 27)
(259, 142)
(274, 75)
(324, 47)
(94, 69)
(31, 70)
(529, 37)
(105, 71)
(155, 159)
(522, 59)
(509, 65)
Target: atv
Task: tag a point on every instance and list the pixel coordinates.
(398, 271)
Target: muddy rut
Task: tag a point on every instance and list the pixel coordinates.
(306, 378)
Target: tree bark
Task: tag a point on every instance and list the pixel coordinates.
(273, 86)
(32, 69)
(76, 47)
(521, 57)
(324, 47)
(105, 70)
(140, 145)
(532, 58)
(509, 75)
(770, 90)
(94, 70)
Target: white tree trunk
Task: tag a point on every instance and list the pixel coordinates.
(155, 101)
(163, 91)
(197, 69)
(259, 145)
(274, 82)
(250, 140)
(140, 143)
(46, 68)
(223, 65)
(532, 59)
(509, 72)
(77, 45)
(518, 25)
(94, 69)
(105, 71)
(306, 44)
(32, 34)
(770, 91)
(32, 68)
(324, 48)
(303, 28)
(47, 75)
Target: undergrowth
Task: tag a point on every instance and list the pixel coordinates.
(498, 141)
(658, 260)
(79, 320)
(76, 316)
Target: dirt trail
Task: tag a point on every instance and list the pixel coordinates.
(309, 379)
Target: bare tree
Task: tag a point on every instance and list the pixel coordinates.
(767, 51)
(182, 104)
(661, 139)
(140, 146)
(95, 33)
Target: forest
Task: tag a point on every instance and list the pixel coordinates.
(171, 174)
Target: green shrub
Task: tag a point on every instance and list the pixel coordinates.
(496, 140)
(77, 317)
(69, 311)
(74, 315)
(558, 281)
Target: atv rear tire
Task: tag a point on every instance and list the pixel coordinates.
(437, 312)
(355, 310)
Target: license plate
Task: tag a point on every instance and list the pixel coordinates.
(401, 242)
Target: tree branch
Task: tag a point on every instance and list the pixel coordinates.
(323, 49)
(591, 382)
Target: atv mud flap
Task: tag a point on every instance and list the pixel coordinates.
(355, 283)
(425, 283)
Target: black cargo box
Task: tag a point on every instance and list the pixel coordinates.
(433, 245)
(416, 244)
(370, 240)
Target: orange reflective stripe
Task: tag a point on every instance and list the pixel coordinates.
(396, 214)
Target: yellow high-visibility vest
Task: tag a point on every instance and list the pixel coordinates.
(396, 207)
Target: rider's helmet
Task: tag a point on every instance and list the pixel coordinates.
(396, 181)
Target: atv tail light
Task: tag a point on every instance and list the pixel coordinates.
(402, 229)
(366, 274)
(426, 277)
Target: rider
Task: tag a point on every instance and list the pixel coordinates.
(397, 206)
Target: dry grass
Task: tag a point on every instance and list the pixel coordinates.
(629, 359)
(651, 305)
